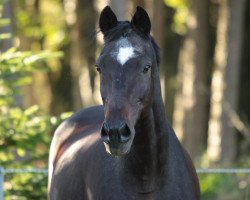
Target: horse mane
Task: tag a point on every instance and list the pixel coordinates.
(125, 28)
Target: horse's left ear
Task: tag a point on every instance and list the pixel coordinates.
(141, 20)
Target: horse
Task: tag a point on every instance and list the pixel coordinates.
(124, 149)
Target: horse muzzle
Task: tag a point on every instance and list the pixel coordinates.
(117, 138)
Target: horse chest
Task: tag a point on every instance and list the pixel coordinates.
(126, 194)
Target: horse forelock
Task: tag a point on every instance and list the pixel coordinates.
(125, 29)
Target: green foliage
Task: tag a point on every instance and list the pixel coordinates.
(25, 133)
(26, 186)
(224, 186)
(181, 13)
(56, 34)
(37, 25)
(16, 68)
(4, 22)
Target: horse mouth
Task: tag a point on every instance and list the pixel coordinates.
(118, 149)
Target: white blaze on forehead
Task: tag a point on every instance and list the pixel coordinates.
(124, 51)
(124, 54)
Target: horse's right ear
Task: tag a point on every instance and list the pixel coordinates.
(108, 19)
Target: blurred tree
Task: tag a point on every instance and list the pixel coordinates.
(6, 28)
(34, 30)
(30, 36)
(158, 21)
(139, 3)
(225, 81)
(181, 10)
(120, 8)
(24, 132)
(56, 38)
(191, 104)
(24, 138)
(81, 18)
(244, 98)
(169, 56)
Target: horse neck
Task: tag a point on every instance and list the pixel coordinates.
(147, 159)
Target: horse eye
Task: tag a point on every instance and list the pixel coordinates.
(98, 69)
(146, 69)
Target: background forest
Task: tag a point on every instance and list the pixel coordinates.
(47, 71)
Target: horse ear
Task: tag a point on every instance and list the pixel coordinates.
(107, 19)
(141, 20)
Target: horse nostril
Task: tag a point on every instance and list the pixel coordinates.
(104, 133)
(117, 133)
(124, 132)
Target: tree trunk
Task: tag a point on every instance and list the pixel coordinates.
(191, 105)
(61, 85)
(159, 34)
(39, 91)
(169, 59)
(83, 48)
(225, 81)
(6, 14)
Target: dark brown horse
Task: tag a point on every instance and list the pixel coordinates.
(141, 157)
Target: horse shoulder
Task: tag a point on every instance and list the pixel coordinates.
(79, 129)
